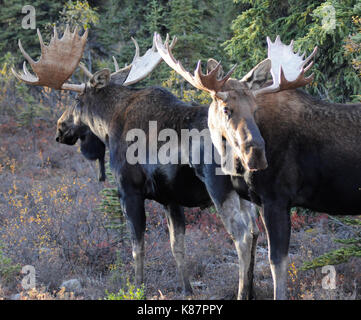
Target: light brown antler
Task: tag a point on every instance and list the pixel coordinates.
(85, 70)
(57, 63)
(288, 68)
(208, 82)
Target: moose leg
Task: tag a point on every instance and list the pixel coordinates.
(101, 169)
(252, 216)
(238, 217)
(277, 224)
(133, 208)
(176, 225)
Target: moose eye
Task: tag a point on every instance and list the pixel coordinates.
(227, 111)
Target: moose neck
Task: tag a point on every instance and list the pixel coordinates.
(299, 114)
(101, 106)
(114, 110)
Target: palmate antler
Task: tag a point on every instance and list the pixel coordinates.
(208, 82)
(142, 66)
(57, 62)
(288, 68)
(60, 58)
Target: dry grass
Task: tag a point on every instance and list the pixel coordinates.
(48, 219)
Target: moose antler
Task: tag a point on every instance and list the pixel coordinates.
(288, 68)
(57, 62)
(141, 66)
(208, 82)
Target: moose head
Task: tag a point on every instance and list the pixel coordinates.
(231, 117)
(57, 63)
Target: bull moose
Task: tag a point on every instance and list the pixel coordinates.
(312, 147)
(110, 108)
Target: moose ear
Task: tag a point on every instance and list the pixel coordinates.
(258, 75)
(222, 95)
(211, 64)
(120, 76)
(100, 79)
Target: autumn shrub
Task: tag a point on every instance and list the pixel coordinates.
(42, 293)
(130, 293)
(350, 246)
(50, 221)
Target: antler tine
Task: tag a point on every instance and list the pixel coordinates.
(55, 37)
(40, 40)
(167, 55)
(210, 79)
(208, 82)
(299, 82)
(57, 62)
(172, 44)
(136, 56)
(288, 68)
(142, 66)
(310, 56)
(85, 70)
(66, 33)
(116, 65)
(25, 54)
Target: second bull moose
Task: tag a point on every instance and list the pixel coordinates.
(312, 147)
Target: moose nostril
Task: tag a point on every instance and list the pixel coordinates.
(57, 139)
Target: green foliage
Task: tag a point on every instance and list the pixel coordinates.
(352, 248)
(79, 13)
(8, 269)
(200, 26)
(189, 95)
(110, 206)
(11, 29)
(131, 293)
(325, 24)
(205, 29)
(154, 16)
(353, 49)
(22, 104)
(117, 272)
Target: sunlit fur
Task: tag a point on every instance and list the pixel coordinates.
(238, 127)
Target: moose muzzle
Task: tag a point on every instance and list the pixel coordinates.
(69, 137)
(251, 149)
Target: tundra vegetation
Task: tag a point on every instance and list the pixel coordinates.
(50, 194)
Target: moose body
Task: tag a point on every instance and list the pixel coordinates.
(314, 161)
